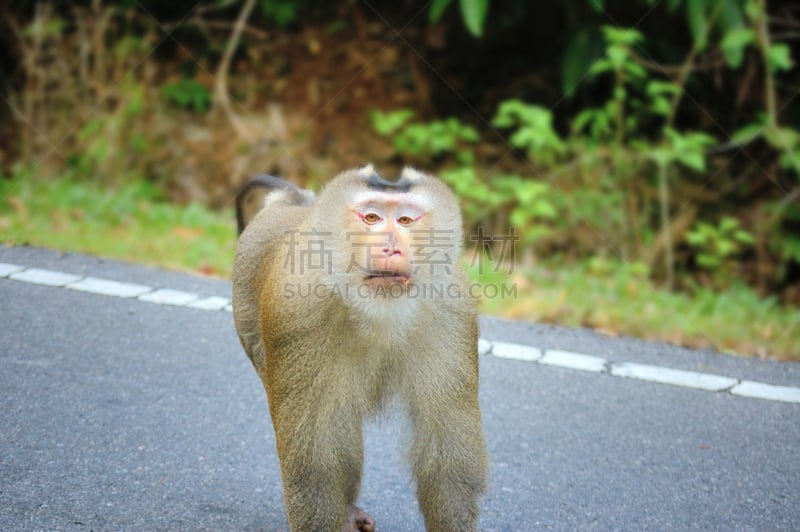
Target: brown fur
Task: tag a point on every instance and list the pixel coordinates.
(329, 358)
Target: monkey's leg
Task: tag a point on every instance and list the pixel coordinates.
(449, 463)
(356, 519)
(321, 456)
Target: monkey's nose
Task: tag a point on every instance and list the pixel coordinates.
(391, 249)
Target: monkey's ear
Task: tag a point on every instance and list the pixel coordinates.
(366, 170)
(412, 175)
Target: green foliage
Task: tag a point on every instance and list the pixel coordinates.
(532, 206)
(614, 120)
(281, 12)
(734, 43)
(582, 50)
(386, 123)
(534, 130)
(687, 149)
(529, 204)
(789, 247)
(717, 245)
(779, 58)
(473, 13)
(435, 139)
(112, 142)
(187, 94)
(660, 94)
(478, 198)
(618, 57)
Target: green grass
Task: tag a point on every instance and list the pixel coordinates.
(135, 223)
(619, 300)
(132, 223)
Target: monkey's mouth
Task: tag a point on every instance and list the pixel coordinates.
(387, 277)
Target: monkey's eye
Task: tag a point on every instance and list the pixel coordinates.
(405, 220)
(371, 218)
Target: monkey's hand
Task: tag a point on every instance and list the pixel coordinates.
(357, 520)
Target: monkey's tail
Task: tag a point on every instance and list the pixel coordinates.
(261, 181)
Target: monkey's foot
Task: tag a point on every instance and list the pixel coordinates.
(357, 520)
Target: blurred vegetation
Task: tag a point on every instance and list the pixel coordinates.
(646, 154)
(131, 222)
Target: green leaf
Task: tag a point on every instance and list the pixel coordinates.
(660, 106)
(748, 133)
(734, 44)
(618, 55)
(696, 238)
(387, 123)
(597, 5)
(731, 16)
(672, 5)
(708, 261)
(581, 51)
(728, 224)
(635, 70)
(544, 209)
(782, 138)
(519, 217)
(779, 57)
(529, 190)
(282, 12)
(468, 134)
(694, 160)
(698, 22)
(790, 160)
(599, 67)
(725, 248)
(465, 157)
(659, 88)
(662, 157)
(744, 237)
(437, 9)
(615, 35)
(474, 14)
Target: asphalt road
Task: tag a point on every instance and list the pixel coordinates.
(123, 414)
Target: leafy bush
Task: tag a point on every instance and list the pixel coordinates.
(187, 94)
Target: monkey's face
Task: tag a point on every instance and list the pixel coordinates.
(388, 237)
(384, 229)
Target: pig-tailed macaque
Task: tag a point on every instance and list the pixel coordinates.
(345, 302)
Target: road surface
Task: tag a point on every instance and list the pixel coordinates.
(129, 405)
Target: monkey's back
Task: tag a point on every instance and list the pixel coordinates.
(258, 245)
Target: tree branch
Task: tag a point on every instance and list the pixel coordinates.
(221, 95)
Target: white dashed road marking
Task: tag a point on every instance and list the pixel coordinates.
(8, 269)
(45, 277)
(516, 351)
(566, 359)
(771, 392)
(675, 377)
(107, 287)
(165, 296)
(526, 353)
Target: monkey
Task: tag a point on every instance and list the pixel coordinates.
(347, 301)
